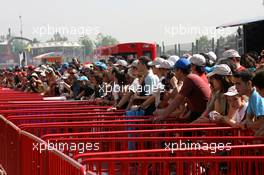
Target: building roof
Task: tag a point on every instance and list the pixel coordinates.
(242, 22)
(56, 44)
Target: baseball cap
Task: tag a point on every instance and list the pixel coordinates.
(43, 67)
(83, 78)
(134, 64)
(198, 60)
(157, 61)
(101, 65)
(164, 65)
(38, 69)
(182, 63)
(232, 91)
(173, 59)
(121, 63)
(221, 69)
(212, 56)
(65, 65)
(231, 53)
(34, 75)
(88, 66)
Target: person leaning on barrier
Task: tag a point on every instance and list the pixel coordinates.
(148, 84)
(85, 89)
(132, 88)
(35, 84)
(258, 82)
(254, 118)
(237, 106)
(220, 80)
(194, 89)
(198, 63)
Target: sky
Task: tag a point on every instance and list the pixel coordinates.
(168, 21)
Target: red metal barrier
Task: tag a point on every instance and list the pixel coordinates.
(209, 131)
(163, 162)
(18, 157)
(9, 146)
(18, 120)
(54, 111)
(230, 165)
(107, 144)
(3, 143)
(80, 122)
(45, 162)
(40, 129)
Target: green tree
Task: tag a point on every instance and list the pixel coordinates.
(204, 44)
(88, 44)
(105, 40)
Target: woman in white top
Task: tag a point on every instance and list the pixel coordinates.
(236, 110)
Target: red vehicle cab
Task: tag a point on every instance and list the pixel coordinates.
(126, 50)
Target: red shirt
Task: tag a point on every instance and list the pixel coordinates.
(197, 92)
(204, 77)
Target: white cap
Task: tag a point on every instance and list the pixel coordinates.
(198, 60)
(212, 56)
(231, 53)
(134, 64)
(38, 69)
(163, 65)
(173, 59)
(88, 66)
(121, 63)
(34, 75)
(232, 91)
(43, 67)
(221, 69)
(157, 61)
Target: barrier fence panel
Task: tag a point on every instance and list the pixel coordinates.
(208, 131)
(41, 137)
(216, 165)
(107, 144)
(38, 159)
(3, 143)
(51, 111)
(12, 149)
(72, 118)
(40, 129)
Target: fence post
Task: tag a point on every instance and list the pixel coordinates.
(179, 49)
(217, 48)
(192, 48)
(213, 44)
(196, 44)
(163, 48)
(175, 49)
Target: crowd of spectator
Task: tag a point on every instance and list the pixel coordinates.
(199, 88)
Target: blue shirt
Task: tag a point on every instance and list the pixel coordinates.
(256, 104)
